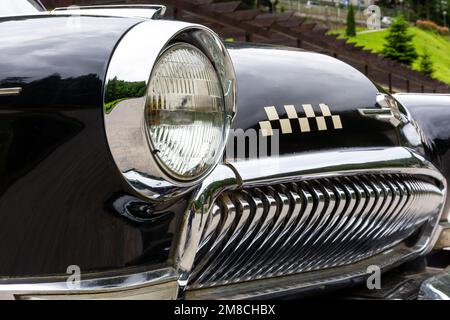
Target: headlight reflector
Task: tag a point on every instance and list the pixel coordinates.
(185, 112)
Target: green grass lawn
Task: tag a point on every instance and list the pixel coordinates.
(438, 47)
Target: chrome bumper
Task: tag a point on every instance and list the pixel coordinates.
(146, 285)
(437, 287)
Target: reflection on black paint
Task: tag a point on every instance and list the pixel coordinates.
(28, 138)
(57, 177)
(152, 221)
(432, 113)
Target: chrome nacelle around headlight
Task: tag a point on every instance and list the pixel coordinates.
(145, 95)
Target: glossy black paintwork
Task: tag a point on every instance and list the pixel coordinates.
(429, 131)
(271, 76)
(62, 200)
(432, 114)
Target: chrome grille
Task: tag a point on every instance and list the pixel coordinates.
(309, 225)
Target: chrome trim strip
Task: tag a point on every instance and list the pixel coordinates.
(96, 285)
(10, 91)
(313, 165)
(130, 11)
(221, 179)
(124, 115)
(421, 93)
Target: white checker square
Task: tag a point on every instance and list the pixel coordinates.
(304, 124)
(337, 122)
(266, 128)
(272, 113)
(321, 124)
(309, 111)
(285, 126)
(325, 110)
(291, 112)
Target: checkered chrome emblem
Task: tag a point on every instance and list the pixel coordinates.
(303, 120)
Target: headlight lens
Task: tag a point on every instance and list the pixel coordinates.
(185, 112)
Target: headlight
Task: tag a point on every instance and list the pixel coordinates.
(185, 112)
(169, 101)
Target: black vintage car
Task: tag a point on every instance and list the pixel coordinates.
(143, 158)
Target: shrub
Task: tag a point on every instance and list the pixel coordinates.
(426, 64)
(351, 25)
(398, 45)
(427, 25)
(431, 26)
(444, 30)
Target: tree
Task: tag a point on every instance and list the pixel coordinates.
(426, 64)
(398, 45)
(351, 25)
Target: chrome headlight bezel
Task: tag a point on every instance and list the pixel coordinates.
(132, 64)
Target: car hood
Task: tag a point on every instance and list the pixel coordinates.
(313, 100)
